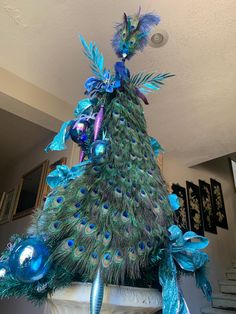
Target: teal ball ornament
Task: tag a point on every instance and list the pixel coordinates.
(28, 261)
(99, 151)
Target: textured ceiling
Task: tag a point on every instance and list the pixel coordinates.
(18, 137)
(193, 116)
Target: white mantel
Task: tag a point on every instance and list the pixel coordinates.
(117, 300)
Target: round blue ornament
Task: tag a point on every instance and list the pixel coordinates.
(78, 131)
(99, 150)
(28, 261)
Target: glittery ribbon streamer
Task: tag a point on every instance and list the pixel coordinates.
(187, 255)
(97, 292)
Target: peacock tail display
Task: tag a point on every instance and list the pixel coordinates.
(108, 219)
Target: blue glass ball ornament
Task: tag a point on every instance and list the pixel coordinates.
(28, 261)
(4, 269)
(77, 131)
(99, 151)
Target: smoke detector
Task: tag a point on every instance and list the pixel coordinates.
(158, 38)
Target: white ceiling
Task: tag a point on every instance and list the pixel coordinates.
(18, 137)
(193, 116)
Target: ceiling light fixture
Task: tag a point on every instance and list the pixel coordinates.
(158, 38)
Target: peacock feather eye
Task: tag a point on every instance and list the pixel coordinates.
(90, 229)
(122, 120)
(84, 220)
(118, 257)
(70, 242)
(78, 205)
(156, 208)
(60, 199)
(125, 216)
(107, 238)
(107, 259)
(143, 193)
(141, 248)
(149, 245)
(133, 157)
(115, 216)
(148, 228)
(56, 224)
(77, 215)
(96, 169)
(94, 192)
(132, 254)
(110, 182)
(118, 192)
(94, 258)
(81, 248)
(82, 192)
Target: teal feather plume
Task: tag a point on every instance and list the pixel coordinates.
(95, 57)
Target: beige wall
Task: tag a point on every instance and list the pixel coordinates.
(221, 249)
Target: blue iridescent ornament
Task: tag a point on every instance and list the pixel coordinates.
(29, 260)
(78, 131)
(4, 269)
(99, 151)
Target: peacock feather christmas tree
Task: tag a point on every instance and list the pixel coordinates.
(108, 219)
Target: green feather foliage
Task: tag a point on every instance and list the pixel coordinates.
(149, 82)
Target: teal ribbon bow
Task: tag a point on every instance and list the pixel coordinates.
(174, 201)
(59, 141)
(155, 146)
(63, 174)
(186, 254)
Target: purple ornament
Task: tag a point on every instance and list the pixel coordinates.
(81, 156)
(98, 122)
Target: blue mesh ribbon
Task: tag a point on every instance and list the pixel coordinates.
(156, 146)
(58, 143)
(82, 107)
(63, 174)
(186, 254)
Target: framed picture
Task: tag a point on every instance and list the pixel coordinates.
(195, 213)
(31, 191)
(181, 216)
(207, 207)
(233, 169)
(52, 167)
(218, 203)
(8, 203)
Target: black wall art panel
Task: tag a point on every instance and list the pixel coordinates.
(207, 207)
(181, 215)
(218, 204)
(195, 214)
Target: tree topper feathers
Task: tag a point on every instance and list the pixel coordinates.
(132, 35)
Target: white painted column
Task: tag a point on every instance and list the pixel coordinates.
(117, 300)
